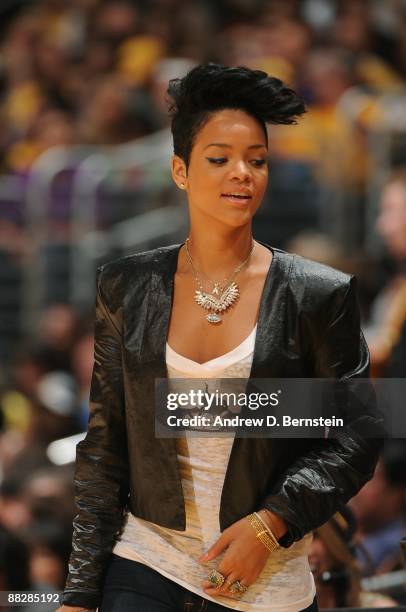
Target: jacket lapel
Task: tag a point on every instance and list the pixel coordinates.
(270, 313)
(159, 305)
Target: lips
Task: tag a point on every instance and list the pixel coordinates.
(237, 197)
(237, 194)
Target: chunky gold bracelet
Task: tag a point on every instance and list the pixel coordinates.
(263, 534)
(266, 526)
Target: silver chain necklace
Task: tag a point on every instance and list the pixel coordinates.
(221, 297)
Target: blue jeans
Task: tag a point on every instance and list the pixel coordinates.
(131, 586)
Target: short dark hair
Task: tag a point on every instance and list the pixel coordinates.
(211, 87)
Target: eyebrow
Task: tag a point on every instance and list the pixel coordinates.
(223, 144)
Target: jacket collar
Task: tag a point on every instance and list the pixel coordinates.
(159, 305)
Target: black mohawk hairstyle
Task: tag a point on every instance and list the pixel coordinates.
(211, 87)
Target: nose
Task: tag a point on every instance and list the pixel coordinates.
(240, 171)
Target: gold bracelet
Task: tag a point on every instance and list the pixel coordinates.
(262, 534)
(271, 517)
(269, 530)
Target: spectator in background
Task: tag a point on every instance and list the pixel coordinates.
(354, 30)
(380, 512)
(326, 137)
(336, 570)
(286, 43)
(387, 322)
(36, 512)
(50, 128)
(16, 442)
(22, 97)
(48, 494)
(110, 115)
(16, 571)
(115, 21)
(57, 333)
(41, 405)
(14, 511)
(48, 548)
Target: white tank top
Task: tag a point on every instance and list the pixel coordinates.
(286, 583)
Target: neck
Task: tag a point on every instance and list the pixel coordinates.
(217, 255)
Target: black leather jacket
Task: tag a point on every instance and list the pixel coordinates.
(308, 326)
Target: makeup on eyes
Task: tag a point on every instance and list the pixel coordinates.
(222, 160)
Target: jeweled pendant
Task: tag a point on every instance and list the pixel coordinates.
(213, 318)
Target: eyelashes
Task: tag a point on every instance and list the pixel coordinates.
(216, 160)
(219, 161)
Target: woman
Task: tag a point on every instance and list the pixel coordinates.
(249, 504)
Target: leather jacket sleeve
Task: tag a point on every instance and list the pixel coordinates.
(325, 478)
(101, 474)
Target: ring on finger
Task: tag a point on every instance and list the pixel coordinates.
(228, 582)
(238, 587)
(216, 579)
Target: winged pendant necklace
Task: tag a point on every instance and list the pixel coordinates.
(221, 297)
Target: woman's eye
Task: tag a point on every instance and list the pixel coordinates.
(217, 160)
(258, 162)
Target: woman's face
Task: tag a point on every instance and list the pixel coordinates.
(391, 222)
(228, 169)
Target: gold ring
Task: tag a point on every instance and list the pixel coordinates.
(238, 587)
(216, 579)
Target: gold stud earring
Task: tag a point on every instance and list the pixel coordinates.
(182, 185)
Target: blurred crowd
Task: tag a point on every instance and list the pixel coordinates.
(95, 72)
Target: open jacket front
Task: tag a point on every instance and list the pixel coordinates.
(308, 326)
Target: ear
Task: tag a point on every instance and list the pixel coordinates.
(179, 173)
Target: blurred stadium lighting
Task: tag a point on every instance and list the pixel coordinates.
(63, 451)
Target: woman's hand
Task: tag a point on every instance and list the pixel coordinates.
(245, 555)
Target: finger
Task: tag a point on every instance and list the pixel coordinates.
(224, 590)
(206, 584)
(217, 548)
(213, 592)
(230, 579)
